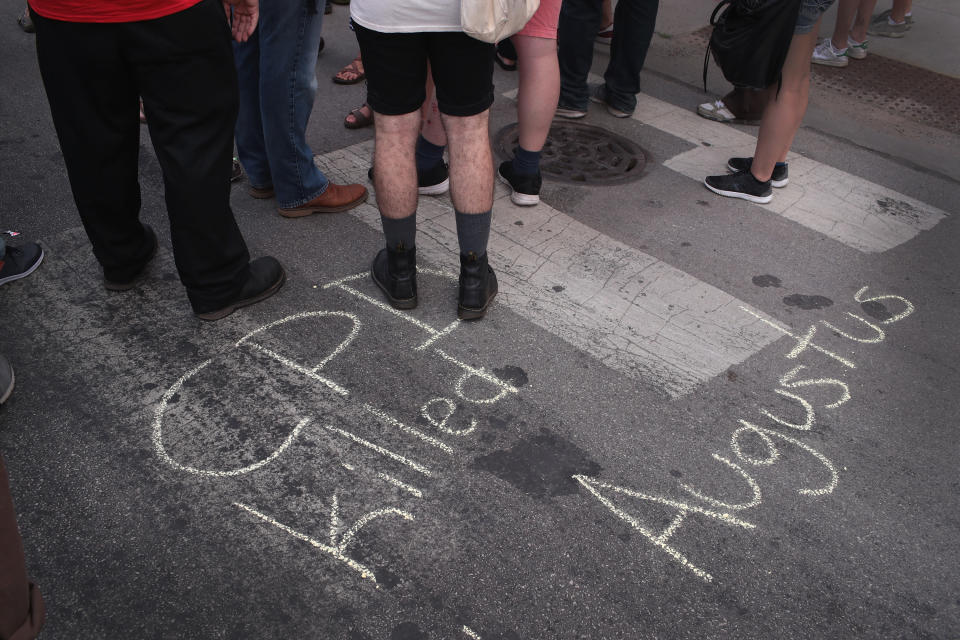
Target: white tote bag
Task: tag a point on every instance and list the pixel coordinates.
(495, 20)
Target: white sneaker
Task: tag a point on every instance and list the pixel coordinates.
(856, 50)
(825, 54)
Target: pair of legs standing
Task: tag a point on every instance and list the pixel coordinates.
(276, 70)
(182, 66)
(579, 22)
(753, 177)
(462, 68)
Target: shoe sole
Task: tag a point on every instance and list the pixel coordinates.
(570, 114)
(404, 304)
(778, 184)
(435, 189)
(831, 63)
(470, 313)
(13, 381)
(856, 54)
(260, 194)
(616, 113)
(301, 213)
(738, 194)
(519, 199)
(25, 273)
(239, 304)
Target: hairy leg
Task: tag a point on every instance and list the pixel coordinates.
(471, 162)
(395, 179)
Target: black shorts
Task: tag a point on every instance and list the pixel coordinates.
(396, 68)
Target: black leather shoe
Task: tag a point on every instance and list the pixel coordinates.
(478, 286)
(127, 284)
(265, 278)
(395, 272)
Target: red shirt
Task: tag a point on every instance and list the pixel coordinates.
(108, 10)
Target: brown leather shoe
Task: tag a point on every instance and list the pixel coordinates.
(337, 197)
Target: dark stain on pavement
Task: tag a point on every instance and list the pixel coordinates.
(766, 281)
(514, 375)
(407, 631)
(897, 208)
(541, 466)
(876, 310)
(557, 288)
(807, 303)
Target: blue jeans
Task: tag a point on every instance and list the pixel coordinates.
(634, 22)
(276, 70)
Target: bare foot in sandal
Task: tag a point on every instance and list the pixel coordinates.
(359, 118)
(352, 73)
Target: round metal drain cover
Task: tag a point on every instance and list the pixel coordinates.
(581, 154)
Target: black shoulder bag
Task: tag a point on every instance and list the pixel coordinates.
(750, 40)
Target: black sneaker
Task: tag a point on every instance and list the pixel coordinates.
(113, 284)
(6, 379)
(742, 185)
(478, 286)
(395, 272)
(430, 182)
(526, 188)
(778, 179)
(19, 262)
(265, 277)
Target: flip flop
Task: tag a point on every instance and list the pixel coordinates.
(355, 68)
(360, 119)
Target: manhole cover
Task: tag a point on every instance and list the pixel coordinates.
(581, 154)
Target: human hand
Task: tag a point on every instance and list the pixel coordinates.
(242, 16)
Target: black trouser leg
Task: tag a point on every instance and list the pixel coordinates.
(93, 100)
(182, 65)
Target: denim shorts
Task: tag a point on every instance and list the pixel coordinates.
(810, 12)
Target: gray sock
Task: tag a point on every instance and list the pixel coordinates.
(473, 231)
(400, 231)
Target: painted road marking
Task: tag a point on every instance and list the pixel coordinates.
(636, 314)
(861, 214)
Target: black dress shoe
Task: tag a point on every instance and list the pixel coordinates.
(478, 286)
(395, 272)
(125, 284)
(265, 278)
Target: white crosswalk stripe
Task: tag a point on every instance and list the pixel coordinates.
(627, 309)
(859, 213)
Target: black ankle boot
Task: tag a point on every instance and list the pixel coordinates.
(395, 272)
(478, 286)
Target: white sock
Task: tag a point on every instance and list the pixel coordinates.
(892, 23)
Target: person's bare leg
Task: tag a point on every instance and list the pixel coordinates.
(900, 9)
(395, 179)
(783, 115)
(431, 126)
(858, 32)
(471, 162)
(846, 10)
(539, 89)
(606, 13)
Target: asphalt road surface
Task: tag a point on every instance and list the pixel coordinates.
(683, 417)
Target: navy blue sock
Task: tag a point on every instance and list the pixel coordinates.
(473, 231)
(428, 154)
(781, 164)
(400, 231)
(526, 162)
